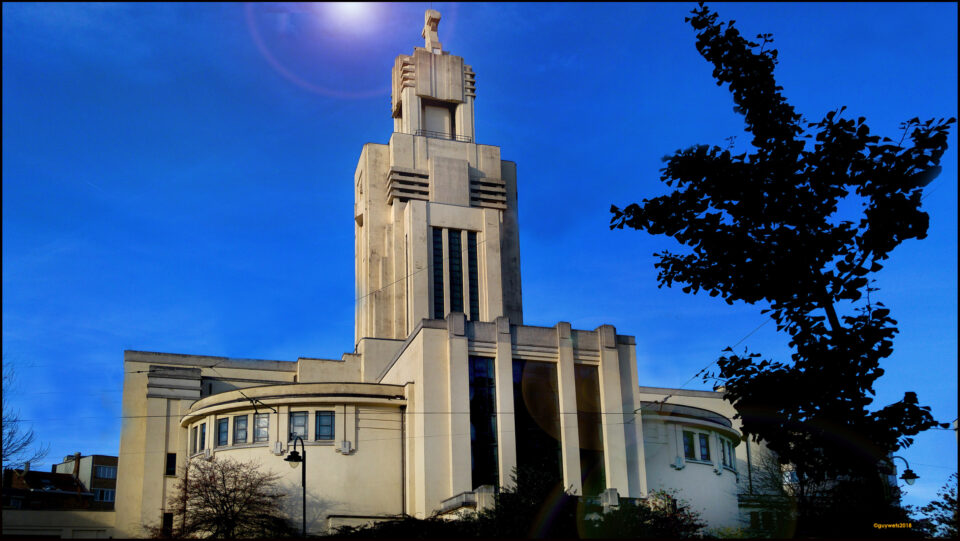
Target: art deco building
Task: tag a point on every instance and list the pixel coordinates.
(446, 391)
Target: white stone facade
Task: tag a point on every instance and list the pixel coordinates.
(391, 428)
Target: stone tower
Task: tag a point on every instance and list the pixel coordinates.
(436, 213)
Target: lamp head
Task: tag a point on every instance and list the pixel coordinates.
(909, 477)
(294, 459)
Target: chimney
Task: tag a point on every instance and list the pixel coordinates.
(76, 465)
(26, 467)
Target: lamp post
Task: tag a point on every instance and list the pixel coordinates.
(908, 476)
(295, 458)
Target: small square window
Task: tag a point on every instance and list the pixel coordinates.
(325, 425)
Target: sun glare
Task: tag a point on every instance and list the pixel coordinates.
(349, 12)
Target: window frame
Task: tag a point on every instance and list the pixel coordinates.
(256, 428)
(697, 450)
(193, 440)
(223, 429)
(101, 468)
(237, 430)
(167, 467)
(332, 415)
(306, 425)
(202, 442)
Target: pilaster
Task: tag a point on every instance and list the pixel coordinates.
(569, 436)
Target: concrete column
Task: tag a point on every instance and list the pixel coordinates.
(506, 426)
(152, 503)
(611, 404)
(491, 286)
(459, 405)
(419, 276)
(632, 425)
(569, 435)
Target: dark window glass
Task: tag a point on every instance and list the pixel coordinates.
(473, 276)
(536, 407)
(298, 424)
(688, 450)
(704, 447)
(261, 429)
(456, 270)
(240, 429)
(223, 426)
(167, 526)
(171, 464)
(105, 472)
(590, 429)
(193, 440)
(438, 312)
(203, 436)
(483, 422)
(325, 426)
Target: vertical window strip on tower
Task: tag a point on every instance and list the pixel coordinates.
(456, 270)
(473, 276)
(483, 423)
(438, 273)
(590, 428)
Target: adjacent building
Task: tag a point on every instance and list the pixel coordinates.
(446, 390)
(98, 473)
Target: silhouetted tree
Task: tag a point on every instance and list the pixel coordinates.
(764, 227)
(941, 514)
(226, 499)
(18, 439)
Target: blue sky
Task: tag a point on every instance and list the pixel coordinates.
(178, 178)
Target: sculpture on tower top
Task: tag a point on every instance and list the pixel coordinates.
(431, 19)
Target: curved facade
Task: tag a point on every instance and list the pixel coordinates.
(692, 451)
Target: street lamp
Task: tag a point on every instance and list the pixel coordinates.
(295, 458)
(908, 476)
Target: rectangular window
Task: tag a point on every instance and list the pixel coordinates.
(105, 472)
(223, 426)
(704, 447)
(590, 427)
(688, 450)
(483, 423)
(103, 494)
(536, 407)
(298, 424)
(240, 429)
(261, 427)
(727, 455)
(193, 440)
(171, 468)
(438, 312)
(203, 436)
(456, 270)
(473, 276)
(325, 429)
(166, 527)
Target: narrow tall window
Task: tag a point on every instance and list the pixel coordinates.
(473, 276)
(193, 440)
(240, 429)
(223, 427)
(203, 436)
(261, 427)
(325, 426)
(536, 406)
(590, 428)
(456, 270)
(166, 527)
(298, 424)
(438, 273)
(171, 468)
(704, 447)
(688, 450)
(483, 422)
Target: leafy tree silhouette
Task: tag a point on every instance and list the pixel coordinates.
(764, 227)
